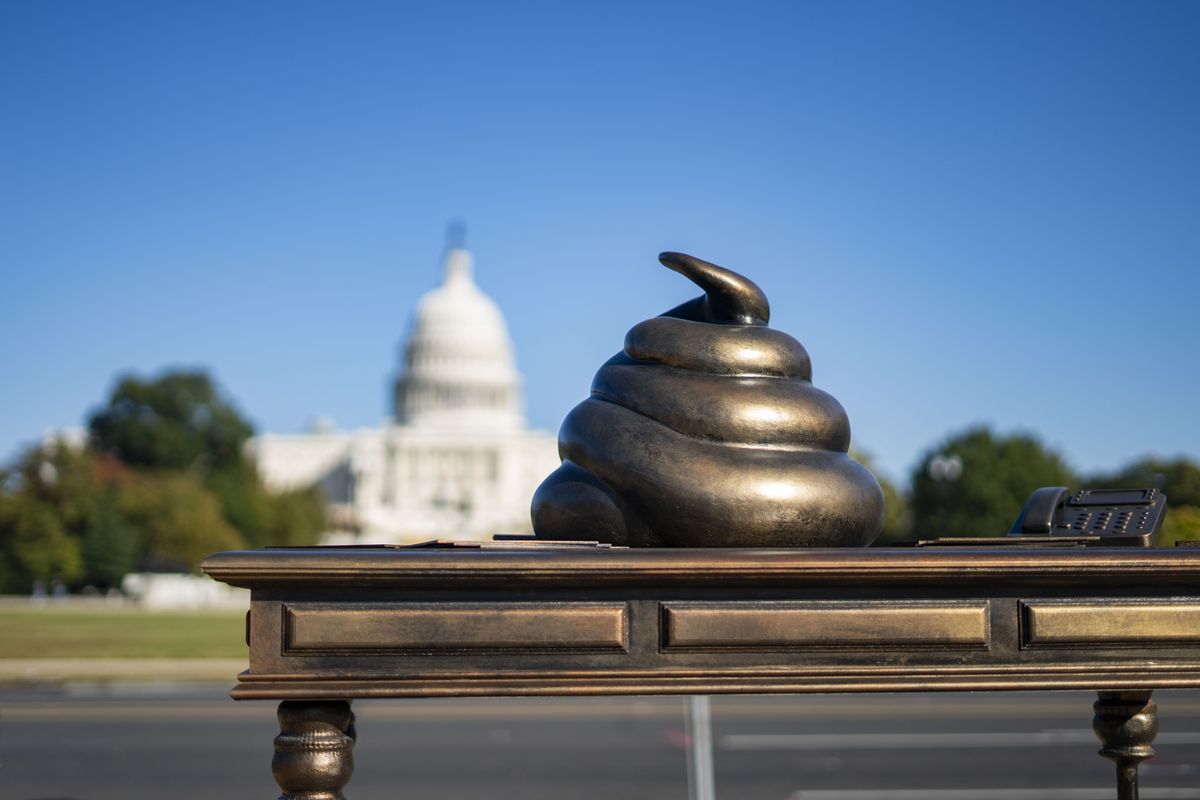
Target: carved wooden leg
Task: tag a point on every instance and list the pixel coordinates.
(314, 751)
(1126, 723)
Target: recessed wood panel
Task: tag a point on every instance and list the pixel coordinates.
(825, 624)
(328, 628)
(1070, 623)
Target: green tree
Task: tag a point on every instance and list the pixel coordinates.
(178, 520)
(897, 518)
(63, 476)
(180, 422)
(976, 482)
(1179, 479)
(299, 518)
(177, 421)
(245, 503)
(13, 579)
(55, 494)
(163, 483)
(109, 545)
(34, 546)
(266, 519)
(1182, 524)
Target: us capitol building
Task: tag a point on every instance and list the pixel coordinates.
(455, 460)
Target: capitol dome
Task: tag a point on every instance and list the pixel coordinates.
(458, 368)
(456, 460)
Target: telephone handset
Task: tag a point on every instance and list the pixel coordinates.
(1130, 517)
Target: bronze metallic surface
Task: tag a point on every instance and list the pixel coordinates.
(706, 431)
(1126, 723)
(314, 751)
(350, 568)
(825, 623)
(1074, 623)
(341, 622)
(347, 627)
(329, 624)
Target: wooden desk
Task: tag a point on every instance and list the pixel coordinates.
(327, 625)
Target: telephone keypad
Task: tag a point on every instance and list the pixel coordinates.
(1103, 512)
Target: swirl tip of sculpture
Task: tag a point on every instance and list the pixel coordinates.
(728, 296)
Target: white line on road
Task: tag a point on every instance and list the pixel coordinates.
(1098, 793)
(922, 741)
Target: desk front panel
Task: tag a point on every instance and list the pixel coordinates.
(381, 642)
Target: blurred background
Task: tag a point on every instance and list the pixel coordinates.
(289, 273)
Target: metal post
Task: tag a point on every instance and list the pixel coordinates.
(314, 751)
(1126, 723)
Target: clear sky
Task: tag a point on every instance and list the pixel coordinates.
(967, 212)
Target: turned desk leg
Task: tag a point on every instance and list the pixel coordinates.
(1126, 723)
(314, 751)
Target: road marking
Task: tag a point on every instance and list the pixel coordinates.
(924, 741)
(1098, 793)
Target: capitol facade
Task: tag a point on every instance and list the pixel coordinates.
(456, 459)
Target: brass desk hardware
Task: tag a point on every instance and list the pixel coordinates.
(327, 625)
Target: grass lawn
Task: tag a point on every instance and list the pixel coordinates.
(50, 632)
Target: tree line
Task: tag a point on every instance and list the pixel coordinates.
(160, 482)
(976, 482)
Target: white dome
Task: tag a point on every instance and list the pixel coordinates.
(458, 366)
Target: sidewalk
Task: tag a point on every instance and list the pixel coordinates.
(57, 670)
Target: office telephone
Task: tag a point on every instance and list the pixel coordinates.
(1130, 517)
(1053, 516)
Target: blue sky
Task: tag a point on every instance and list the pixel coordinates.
(967, 212)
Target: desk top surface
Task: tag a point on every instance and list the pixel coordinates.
(500, 565)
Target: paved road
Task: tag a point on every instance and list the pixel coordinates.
(192, 744)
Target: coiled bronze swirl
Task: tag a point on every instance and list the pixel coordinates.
(706, 431)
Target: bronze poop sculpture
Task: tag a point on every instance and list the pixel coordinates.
(706, 431)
